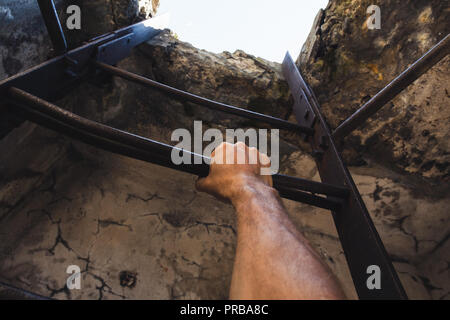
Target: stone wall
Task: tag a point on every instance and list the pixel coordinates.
(140, 231)
(23, 37)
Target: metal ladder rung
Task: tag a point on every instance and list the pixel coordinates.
(282, 124)
(125, 143)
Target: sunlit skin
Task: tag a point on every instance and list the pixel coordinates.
(273, 260)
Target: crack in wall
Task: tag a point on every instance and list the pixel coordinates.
(440, 243)
(428, 285)
(187, 204)
(54, 292)
(110, 222)
(191, 262)
(59, 238)
(399, 225)
(57, 200)
(104, 287)
(182, 277)
(209, 224)
(150, 198)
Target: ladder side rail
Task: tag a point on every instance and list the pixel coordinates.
(359, 238)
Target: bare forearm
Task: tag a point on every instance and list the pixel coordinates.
(273, 260)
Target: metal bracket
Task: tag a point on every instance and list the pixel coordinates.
(115, 50)
(304, 114)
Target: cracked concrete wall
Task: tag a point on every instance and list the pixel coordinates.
(411, 132)
(24, 47)
(122, 222)
(140, 231)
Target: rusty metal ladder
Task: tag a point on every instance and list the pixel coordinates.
(26, 95)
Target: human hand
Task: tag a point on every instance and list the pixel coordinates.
(229, 179)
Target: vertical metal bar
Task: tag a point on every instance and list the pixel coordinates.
(359, 238)
(396, 86)
(54, 29)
